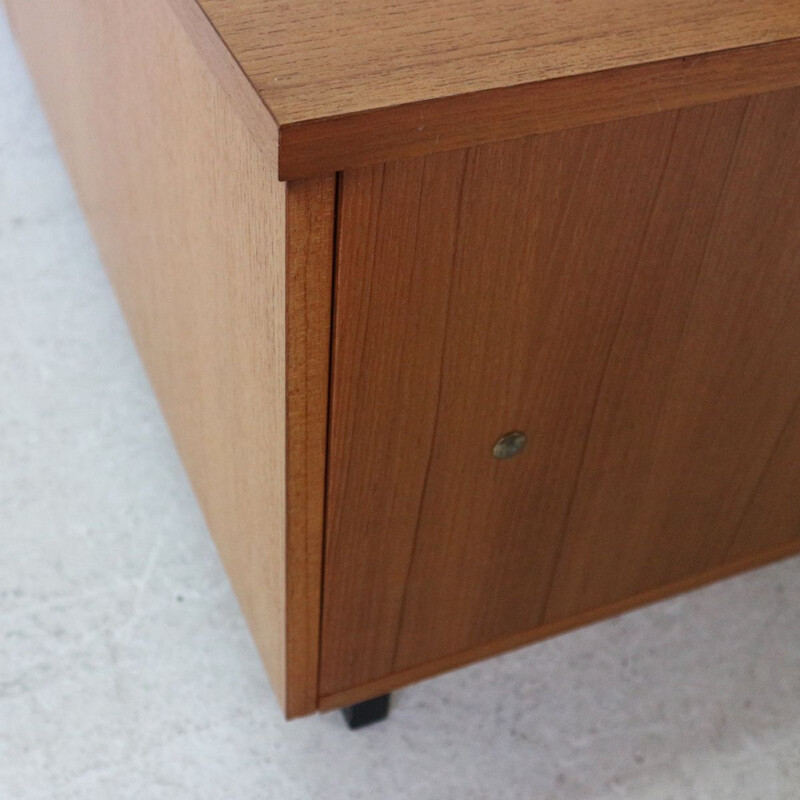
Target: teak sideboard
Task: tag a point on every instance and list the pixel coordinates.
(472, 322)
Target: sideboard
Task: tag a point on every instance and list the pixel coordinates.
(472, 322)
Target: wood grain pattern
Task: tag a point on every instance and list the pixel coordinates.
(309, 288)
(310, 60)
(359, 82)
(231, 80)
(191, 223)
(626, 293)
(448, 123)
(676, 451)
(396, 680)
(771, 514)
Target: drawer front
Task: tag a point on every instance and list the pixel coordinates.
(625, 295)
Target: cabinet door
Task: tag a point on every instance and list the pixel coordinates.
(627, 295)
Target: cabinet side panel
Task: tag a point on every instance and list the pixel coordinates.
(190, 221)
(627, 294)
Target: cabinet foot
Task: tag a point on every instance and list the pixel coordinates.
(366, 713)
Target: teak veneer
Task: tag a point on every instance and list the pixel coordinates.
(357, 243)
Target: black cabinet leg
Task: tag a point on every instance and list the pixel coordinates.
(366, 713)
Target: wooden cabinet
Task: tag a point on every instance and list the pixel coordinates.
(353, 263)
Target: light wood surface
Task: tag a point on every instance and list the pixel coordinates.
(628, 295)
(231, 80)
(354, 82)
(309, 287)
(701, 389)
(396, 680)
(459, 121)
(310, 60)
(191, 223)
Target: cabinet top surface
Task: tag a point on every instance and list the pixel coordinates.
(360, 81)
(311, 60)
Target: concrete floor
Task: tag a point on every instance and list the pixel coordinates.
(125, 667)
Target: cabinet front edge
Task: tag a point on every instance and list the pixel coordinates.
(310, 225)
(332, 144)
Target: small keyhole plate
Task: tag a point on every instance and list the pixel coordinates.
(509, 445)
